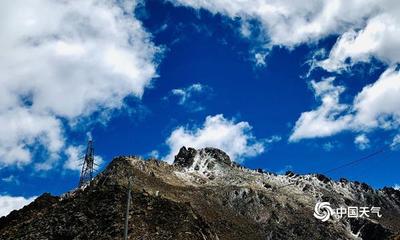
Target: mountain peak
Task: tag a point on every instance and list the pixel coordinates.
(205, 157)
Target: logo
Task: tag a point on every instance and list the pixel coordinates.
(323, 211)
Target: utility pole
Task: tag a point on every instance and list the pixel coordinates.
(128, 202)
(88, 165)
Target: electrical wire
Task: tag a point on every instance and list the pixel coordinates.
(374, 154)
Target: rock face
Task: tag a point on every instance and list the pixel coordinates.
(203, 195)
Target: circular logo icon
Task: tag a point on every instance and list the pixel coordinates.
(323, 211)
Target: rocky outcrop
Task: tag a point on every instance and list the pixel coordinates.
(190, 158)
(185, 157)
(203, 195)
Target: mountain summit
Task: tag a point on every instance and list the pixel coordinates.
(204, 195)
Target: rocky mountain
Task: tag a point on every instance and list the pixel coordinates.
(204, 195)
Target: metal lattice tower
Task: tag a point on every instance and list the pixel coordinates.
(88, 165)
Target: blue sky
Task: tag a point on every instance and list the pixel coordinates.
(305, 94)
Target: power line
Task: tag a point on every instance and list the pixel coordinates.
(356, 161)
(374, 154)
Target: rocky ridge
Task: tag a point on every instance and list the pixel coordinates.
(203, 195)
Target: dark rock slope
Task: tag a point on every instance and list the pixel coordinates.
(203, 195)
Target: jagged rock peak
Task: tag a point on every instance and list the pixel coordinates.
(186, 157)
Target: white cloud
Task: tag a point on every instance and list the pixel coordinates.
(290, 23)
(260, 59)
(65, 60)
(328, 146)
(273, 139)
(362, 142)
(376, 106)
(185, 94)
(21, 127)
(235, 139)
(366, 28)
(154, 154)
(379, 39)
(9, 203)
(11, 179)
(396, 142)
(75, 156)
(326, 120)
(190, 97)
(245, 29)
(397, 187)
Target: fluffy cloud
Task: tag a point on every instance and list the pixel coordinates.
(289, 23)
(64, 60)
(379, 39)
(10, 203)
(376, 106)
(362, 142)
(74, 157)
(327, 119)
(397, 187)
(235, 139)
(366, 28)
(21, 127)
